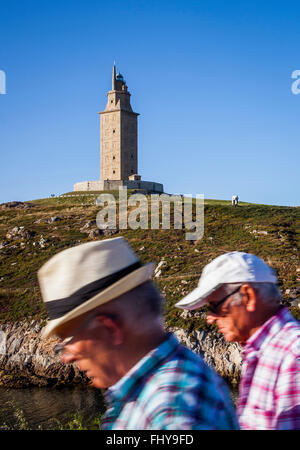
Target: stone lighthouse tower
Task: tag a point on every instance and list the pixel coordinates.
(118, 145)
(118, 133)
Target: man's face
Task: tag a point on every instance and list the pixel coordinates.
(91, 349)
(233, 321)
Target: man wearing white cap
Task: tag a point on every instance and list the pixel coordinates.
(243, 300)
(103, 304)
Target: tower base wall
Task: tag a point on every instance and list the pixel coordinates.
(114, 185)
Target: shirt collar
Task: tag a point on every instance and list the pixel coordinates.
(267, 331)
(122, 389)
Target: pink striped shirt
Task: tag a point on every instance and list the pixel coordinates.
(270, 384)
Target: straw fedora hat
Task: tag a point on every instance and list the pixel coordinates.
(84, 277)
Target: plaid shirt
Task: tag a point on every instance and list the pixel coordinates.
(270, 384)
(171, 388)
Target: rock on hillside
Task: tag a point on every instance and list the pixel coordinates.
(222, 356)
(18, 205)
(27, 359)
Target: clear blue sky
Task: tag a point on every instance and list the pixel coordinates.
(211, 80)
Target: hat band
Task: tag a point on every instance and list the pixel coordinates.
(60, 307)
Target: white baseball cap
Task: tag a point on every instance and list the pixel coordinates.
(233, 267)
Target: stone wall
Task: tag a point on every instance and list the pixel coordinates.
(98, 185)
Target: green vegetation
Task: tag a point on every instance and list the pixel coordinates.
(74, 421)
(271, 232)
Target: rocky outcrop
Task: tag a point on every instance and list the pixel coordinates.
(93, 231)
(26, 359)
(17, 233)
(18, 205)
(222, 356)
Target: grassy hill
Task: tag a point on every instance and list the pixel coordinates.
(271, 232)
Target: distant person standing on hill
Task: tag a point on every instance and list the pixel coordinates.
(245, 303)
(103, 304)
(235, 200)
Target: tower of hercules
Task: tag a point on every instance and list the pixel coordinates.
(118, 145)
(118, 133)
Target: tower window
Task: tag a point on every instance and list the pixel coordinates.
(114, 157)
(114, 131)
(131, 156)
(132, 171)
(111, 101)
(114, 171)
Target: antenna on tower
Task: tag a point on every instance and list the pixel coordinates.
(114, 77)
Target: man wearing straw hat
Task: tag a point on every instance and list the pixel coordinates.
(103, 305)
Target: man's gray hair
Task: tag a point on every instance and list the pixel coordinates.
(268, 293)
(147, 299)
(139, 307)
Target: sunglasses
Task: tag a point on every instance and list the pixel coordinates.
(214, 307)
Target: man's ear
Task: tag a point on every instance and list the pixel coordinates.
(250, 297)
(112, 328)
